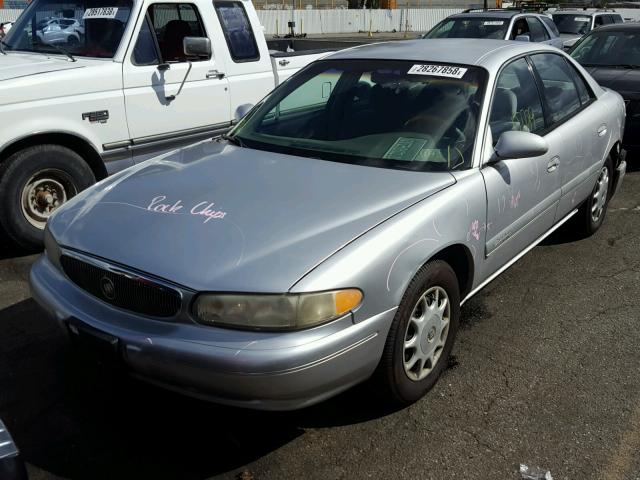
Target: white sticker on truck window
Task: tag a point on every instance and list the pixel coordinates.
(494, 22)
(101, 12)
(438, 71)
(581, 19)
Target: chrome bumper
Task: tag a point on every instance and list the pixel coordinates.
(261, 370)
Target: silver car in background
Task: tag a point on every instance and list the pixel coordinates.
(499, 24)
(333, 235)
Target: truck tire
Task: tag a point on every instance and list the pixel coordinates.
(33, 183)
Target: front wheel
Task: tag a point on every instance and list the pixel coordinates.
(34, 182)
(421, 336)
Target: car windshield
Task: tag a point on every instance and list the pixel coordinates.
(609, 48)
(91, 28)
(572, 24)
(472, 27)
(393, 114)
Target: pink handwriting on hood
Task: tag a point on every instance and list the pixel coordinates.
(160, 205)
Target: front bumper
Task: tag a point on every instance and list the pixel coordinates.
(261, 370)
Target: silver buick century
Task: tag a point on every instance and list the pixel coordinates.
(332, 236)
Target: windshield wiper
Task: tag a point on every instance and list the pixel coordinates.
(64, 51)
(232, 139)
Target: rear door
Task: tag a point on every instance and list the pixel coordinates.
(576, 123)
(522, 194)
(154, 70)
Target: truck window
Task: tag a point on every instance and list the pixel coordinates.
(171, 23)
(145, 53)
(237, 31)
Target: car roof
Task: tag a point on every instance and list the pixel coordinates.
(466, 51)
(619, 26)
(487, 13)
(585, 12)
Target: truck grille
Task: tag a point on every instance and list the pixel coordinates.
(123, 291)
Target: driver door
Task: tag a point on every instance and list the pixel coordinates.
(154, 71)
(523, 193)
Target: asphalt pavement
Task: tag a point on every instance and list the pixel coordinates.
(545, 372)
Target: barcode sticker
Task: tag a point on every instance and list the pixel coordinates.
(438, 71)
(101, 12)
(494, 22)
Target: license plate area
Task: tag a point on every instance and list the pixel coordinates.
(92, 342)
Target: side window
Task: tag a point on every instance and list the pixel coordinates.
(538, 32)
(617, 18)
(584, 92)
(552, 26)
(144, 52)
(560, 91)
(237, 31)
(599, 21)
(171, 23)
(516, 102)
(520, 27)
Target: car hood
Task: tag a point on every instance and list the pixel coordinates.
(623, 80)
(222, 218)
(16, 65)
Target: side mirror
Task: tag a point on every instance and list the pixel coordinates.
(242, 110)
(197, 47)
(523, 38)
(515, 144)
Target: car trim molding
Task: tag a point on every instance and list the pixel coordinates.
(518, 256)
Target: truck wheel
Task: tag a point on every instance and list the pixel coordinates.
(592, 212)
(421, 336)
(34, 182)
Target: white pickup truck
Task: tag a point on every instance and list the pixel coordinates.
(89, 87)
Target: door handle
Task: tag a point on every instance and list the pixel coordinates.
(602, 131)
(553, 164)
(284, 63)
(215, 74)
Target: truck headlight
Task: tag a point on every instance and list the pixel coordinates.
(274, 311)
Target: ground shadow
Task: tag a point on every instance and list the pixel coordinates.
(8, 249)
(77, 421)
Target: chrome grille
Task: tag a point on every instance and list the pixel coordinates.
(121, 290)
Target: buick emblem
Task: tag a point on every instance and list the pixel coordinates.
(108, 288)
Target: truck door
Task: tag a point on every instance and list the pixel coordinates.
(158, 116)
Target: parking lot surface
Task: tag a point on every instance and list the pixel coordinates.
(545, 372)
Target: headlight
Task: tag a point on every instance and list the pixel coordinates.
(275, 312)
(51, 248)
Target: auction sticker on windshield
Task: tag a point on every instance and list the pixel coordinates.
(494, 22)
(438, 71)
(100, 12)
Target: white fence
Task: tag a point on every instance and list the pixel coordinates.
(349, 21)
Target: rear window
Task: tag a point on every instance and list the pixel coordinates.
(237, 31)
(573, 24)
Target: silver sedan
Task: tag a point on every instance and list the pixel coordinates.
(333, 235)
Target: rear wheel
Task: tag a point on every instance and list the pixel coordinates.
(421, 335)
(593, 210)
(34, 182)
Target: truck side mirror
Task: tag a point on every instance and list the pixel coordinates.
(523, 38)
(197, 47)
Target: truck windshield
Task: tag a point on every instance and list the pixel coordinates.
(473, 27)
(89, 28)
(394, 114)
(572, 24)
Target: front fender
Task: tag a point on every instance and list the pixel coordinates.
(384, 260)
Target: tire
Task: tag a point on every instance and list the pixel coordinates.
(593, 210)
(33, 183)
(398, 383)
